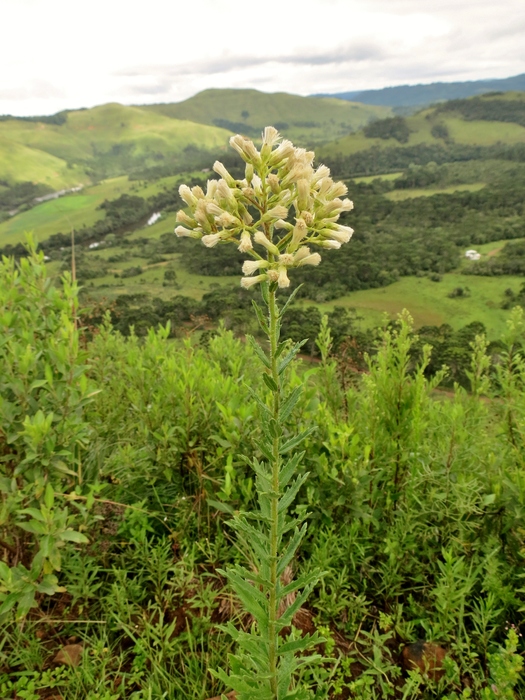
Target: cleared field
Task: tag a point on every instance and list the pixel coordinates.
(399, 195)
(429, 304)
(63, 214)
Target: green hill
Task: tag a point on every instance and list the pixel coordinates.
(481, 121)
(110, 139)
(19, 163)
(305, 120)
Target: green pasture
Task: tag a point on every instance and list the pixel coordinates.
(63, 214)
(371, 178)
(399, 195)
(19, 163)
(429, 303)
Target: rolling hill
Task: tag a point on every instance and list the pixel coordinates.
(304, 120)
(478, 121)
(110, 139)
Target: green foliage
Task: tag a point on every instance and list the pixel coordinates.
(43, 393)
(393, 128)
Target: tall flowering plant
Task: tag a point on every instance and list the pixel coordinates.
(275, 214)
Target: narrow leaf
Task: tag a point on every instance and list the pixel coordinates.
(291, 549)
(260, 317)
(270, 382)
(290, 402)
(259, 351)
(293, 442)
(289, 300)
(291, 493)
(290, 356)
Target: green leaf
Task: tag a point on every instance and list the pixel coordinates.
(289, 300)
(293, 544)
(291, 493)
(260, 317)
(290, 403)
(293, 442)
(270, 382)
(296, 645)
(34, 526)
(289, 468)
(290, 356)
(73, 536)
(218, 505)
(49, 496)
(263, 357)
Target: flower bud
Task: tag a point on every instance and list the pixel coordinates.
(225, 220)
(260, 238)
(321, 172)
(183, 218)
(211, 240)
(347, 205)
(212, 208)
(331, 245)
(303, 194)
(246, 149)
(273, 275)
(307, 217)
(286, 259)
(274, 183)
(223, 172)
(299, 232)
(284, 150)
(187, 195)
(338, 189)
(283, 280)
(313, 259)
(250, 266)
(248, 173)
(211, 188)
(303, 252)
(277, 212)
(339, 233)
(246, 243)
(248, 282)
(184, 232)
(280, 224)
(197, 192)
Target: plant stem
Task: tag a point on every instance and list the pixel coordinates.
(276, 466)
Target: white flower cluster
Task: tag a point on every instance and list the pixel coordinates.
(282, 205)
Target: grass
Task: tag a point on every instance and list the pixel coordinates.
(112, 135)
(399, 195)
(20, 163)
(74, 210)
(371, 178)
(429, 304)
(63, 214)
(305, 120)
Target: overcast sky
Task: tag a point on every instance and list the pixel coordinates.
(57, 54)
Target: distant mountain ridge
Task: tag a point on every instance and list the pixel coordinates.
(421, 95)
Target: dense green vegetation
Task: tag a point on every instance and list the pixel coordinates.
(415, 501)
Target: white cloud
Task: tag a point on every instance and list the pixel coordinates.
(56, 54)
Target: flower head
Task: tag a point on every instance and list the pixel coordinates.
(283, 205)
